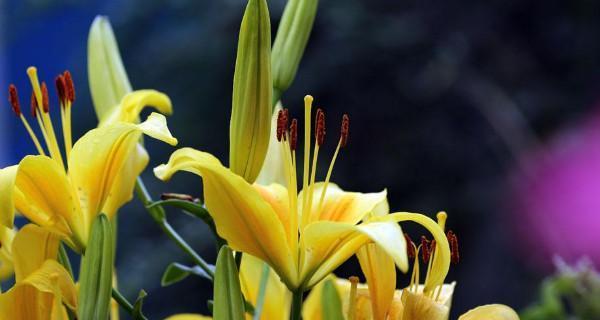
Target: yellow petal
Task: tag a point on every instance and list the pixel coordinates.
(188, 316)
(51, 277)
(380, 271)
(99, 156)
(41, 295)
(241, 216)
(418, 307)
(273, 169)
(122, 189)
(277, 297)
(133, 103)
(441, 263)
(31, 247)
(277, 196)
(342, 206)
(325, 245)
(7, 185)
(25, 303)
(46, 197)
(6, 258)
(490, 312)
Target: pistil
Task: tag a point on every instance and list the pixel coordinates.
(41, 95)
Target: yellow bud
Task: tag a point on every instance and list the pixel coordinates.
(107, 77)
(250, 125)
(290, 42)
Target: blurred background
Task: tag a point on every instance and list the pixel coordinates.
(488, 110)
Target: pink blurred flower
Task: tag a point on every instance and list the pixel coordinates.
(556, 196)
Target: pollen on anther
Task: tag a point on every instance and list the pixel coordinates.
(282, 122)
(13, 98)
(425, 249)
(45, 102)
(61, 89)
(453, 241)
(69, 86)
(33, 105)
(410, 246)
(294, 134)
(345, 130)
(320, 127)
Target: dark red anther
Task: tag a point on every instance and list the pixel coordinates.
(282, 122)
(45, 102)
(425, 249)
(432, 246)
(13, 98)
(410, 246)
(454, 254)
(294, 134)
(345, 130)
(61, 89)
(69, 86)
(320, 127)
(280, 127)
(33, 105)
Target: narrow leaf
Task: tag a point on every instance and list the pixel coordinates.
(228, 300)
(176, 272)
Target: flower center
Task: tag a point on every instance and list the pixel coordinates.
(288, 135)
(428, 250)
(40, 110)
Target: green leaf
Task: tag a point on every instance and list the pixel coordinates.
(176, 272)
(96, 272)
(290, 42)
(330, 300)
(194, 209)
(106, 75)
(250, 125)
(228, 300)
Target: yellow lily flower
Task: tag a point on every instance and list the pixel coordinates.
(99, 174)
(379, 300)
(42, 286)
(6, 259)
(302, 236)
(277, 300)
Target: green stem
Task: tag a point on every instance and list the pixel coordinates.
(63, 259)
(296, 313)
(159, 216)
(122, 301)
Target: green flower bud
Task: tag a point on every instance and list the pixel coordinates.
(96, 272)
(252, 93)
(290, 42)
(107, 76)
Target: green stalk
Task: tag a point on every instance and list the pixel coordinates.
(296, 313)
(122, 301)
(159, 216)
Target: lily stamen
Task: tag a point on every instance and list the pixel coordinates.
(352, 300)
(13, 98)
(344, 132)
(319, 140)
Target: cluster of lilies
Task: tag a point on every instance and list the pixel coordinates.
(288, 233)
